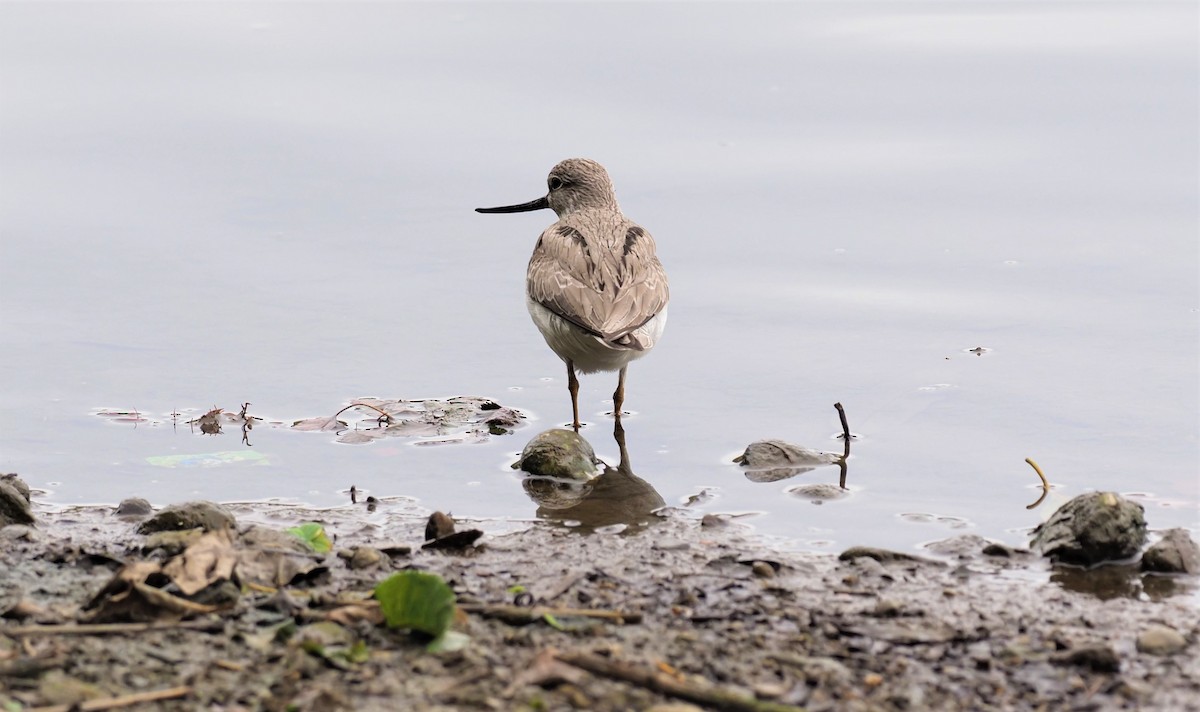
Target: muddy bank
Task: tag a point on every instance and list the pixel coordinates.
(676, 609)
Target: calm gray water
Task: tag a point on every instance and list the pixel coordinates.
(205, 204)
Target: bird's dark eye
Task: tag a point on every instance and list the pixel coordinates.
(555, 183)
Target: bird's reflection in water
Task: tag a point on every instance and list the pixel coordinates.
(615, 497)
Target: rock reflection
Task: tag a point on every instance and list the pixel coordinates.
(615, 497)
(1120, 581)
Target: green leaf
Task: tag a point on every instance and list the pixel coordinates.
(312, 534)
(416, 600)
(358, 653)
(515, 589)
(553, 622)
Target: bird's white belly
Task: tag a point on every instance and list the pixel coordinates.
(588, 353)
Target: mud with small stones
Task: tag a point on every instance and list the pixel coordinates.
(716, 609)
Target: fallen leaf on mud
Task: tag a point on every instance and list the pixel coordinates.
(208, 560)
(313, 535)
(273, 559)
(128, 598)
(416, 600)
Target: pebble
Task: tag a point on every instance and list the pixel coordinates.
(134, 508)
(1174, 553)
(366, 557)
(1160, 640)
(189, 515)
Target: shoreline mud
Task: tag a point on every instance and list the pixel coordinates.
(677, 612)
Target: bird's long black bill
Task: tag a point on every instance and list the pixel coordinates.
(539, 204)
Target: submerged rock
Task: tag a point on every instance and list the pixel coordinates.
(559, 453)
(1091, 528)
(774, 460)
(14, 501)
(189, 515)
(1175, 553)
(818, 493)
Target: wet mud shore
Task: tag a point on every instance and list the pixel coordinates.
(673, 615)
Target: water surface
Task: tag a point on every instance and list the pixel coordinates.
(206, 204)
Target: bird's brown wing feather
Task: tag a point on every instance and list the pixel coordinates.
(599, 271)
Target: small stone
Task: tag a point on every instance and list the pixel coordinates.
(873, 679)
(762, 569)
(14, 501)
(770, 690)
(883, 556)
(1004, 550)
(1098, 658)
(366, 557)
(189, 515)
(18, 484)
(134, 508)
(439, 525)
(1160, 640)
(1175, 553)
(58, 688)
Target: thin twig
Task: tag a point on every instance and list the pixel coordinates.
(112, 703)
(1038, 470)
(1045, 483)
(385, 417)
(663, 683)
(846, 437)
(521, 614)
(107, 628)
(842, 417)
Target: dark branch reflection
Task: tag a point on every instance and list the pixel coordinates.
(616, 496)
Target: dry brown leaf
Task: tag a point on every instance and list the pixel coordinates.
(208, 560)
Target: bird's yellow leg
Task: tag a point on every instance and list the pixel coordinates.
(619, 394)
(573, 386)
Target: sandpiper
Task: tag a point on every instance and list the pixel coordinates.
(594, 287)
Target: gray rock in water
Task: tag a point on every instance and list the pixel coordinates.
(1091, 528)
(559, 453)
(774, 460)
(189, 515)
(14, 501)
(1175, 553)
